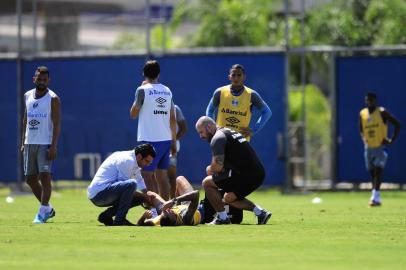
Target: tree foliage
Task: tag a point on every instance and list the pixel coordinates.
(357, 23)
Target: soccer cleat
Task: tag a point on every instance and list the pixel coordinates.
(123, 222)
(264, 217)
(218, 221)
(373, 203)
(105, 219)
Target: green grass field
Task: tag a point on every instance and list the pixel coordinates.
(340, 233)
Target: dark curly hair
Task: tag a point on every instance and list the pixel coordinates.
(145, 150)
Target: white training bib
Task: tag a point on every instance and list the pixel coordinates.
(154, 117)
(39, 127)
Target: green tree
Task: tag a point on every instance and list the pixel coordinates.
(357, 23)
(226, 23)
(318, 119)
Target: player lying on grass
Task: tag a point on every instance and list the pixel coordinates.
(181, 210)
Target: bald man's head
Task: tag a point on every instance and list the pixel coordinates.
(206, 128)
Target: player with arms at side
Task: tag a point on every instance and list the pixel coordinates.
(373, 127)
(41, 129)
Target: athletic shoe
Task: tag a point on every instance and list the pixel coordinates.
(52, 213)
(264, 217)
(42, 219)
(123, 222)
(38, 219)
(373, 203)
(105, 219)
(218, 221)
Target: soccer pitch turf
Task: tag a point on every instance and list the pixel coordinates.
(339, 233)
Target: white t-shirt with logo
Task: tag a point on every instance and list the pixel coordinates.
(119, 166)
(154, 117)
(39, 128)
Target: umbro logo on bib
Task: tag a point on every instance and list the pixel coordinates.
(33, 123)
(160, 100)
(232, 120)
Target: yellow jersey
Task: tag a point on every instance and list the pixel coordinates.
(180, 211)
(374, 129)
(234, 112)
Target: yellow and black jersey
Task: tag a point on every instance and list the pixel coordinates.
(234, 112)
(374, 129)
(180, 211)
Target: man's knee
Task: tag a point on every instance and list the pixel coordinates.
(229, 197)
(31, 179)
(131, 184)
(180, 179)
(208, 183)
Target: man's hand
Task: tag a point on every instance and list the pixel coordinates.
(51, 153)
(173, 148)
(246, 132)
(208, 170)
(22, 148)
(168, 204)
(147, 214)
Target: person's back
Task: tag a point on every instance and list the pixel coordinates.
(114, 168)
(156, 125)
(239, 155)
(154, 117)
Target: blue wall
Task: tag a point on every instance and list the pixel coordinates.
(97, 93)
(8, 120)
(386, 76)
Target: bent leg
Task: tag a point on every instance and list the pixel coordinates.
(182, 186)
(213, 194)
(244, 204)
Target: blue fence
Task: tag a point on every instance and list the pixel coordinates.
(386, 76)
(97, 93)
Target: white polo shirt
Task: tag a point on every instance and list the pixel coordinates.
(119, 166)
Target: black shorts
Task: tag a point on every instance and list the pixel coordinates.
(240, 183)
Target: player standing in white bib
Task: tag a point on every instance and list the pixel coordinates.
(154, 107)
(41, 129)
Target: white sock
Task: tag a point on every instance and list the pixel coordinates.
(257, 210)
(377, 196)
(373, 194)
(222, 215)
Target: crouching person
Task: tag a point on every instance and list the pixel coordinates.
(116, 182)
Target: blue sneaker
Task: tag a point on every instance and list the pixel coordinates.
(40, 219)
(50, 214)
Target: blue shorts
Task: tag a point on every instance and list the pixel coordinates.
(161, 161)
(375, 157)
